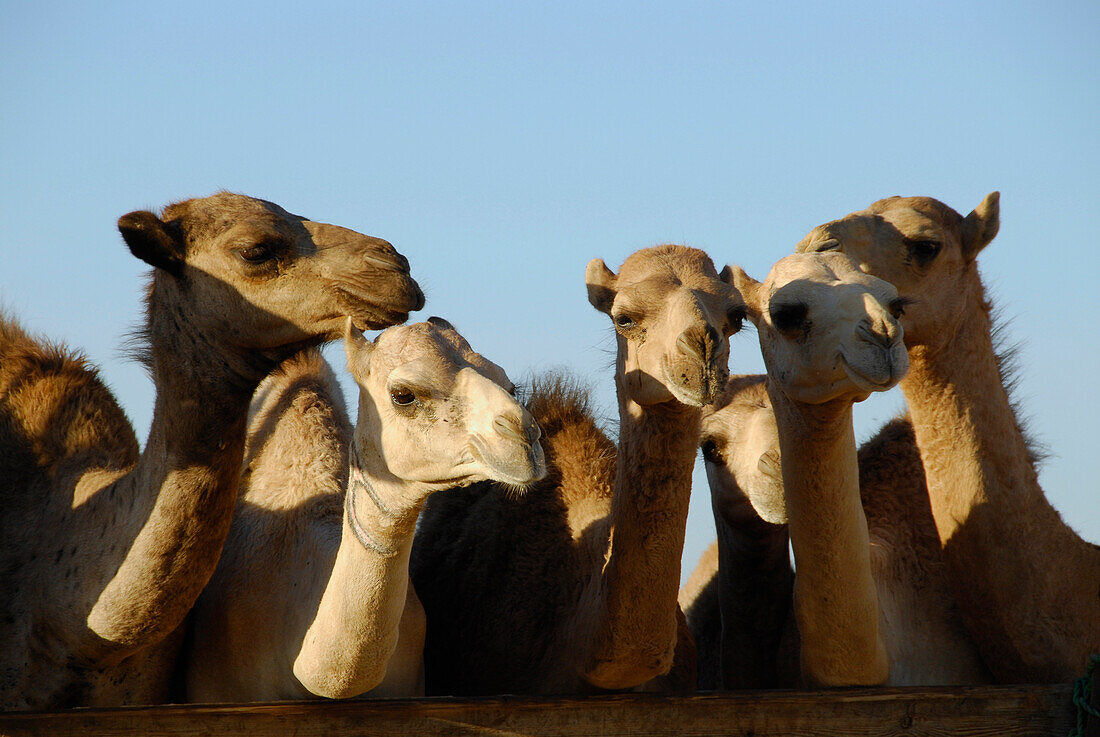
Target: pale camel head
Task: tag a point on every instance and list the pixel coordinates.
(740, 443)
(256, 277)
(827, 330)
(922, 247)
(437, 413)
(673, 316)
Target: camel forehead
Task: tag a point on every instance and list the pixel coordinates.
(827, 268)
(209, 217)
(671, 264)
(430, 351)
(908, 217)
(743, 393)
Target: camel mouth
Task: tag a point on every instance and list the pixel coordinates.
(868, 383)
(711, 383)
(519, 469)
(369, 315)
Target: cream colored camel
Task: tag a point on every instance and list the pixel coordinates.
(829, 337)
(742, 611)
(105, 548)
(311, 596)
(572, 586)
(1026, 584)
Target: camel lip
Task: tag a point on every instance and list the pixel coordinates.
(505, 472)
(695, 398)
(366, 315)
(866, 383)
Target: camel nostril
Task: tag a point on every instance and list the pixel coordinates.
(510, 427)
(881, 336)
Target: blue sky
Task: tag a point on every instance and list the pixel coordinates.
(500, 146)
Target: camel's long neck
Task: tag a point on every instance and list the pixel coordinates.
(835, 600)
(755, 586)
(1035, 573)
(177, 502)
(637, 621)
(347, 647)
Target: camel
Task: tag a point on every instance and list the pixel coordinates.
(311, 596)
(739, 609)
(107, 548)
(571, 587)
(1033, 609)
(829, 336)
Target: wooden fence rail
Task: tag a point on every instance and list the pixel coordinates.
(980, 711)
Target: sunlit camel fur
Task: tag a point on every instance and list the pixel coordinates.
(1027, 585)
(829, 336)
(312, 597)
(572, 587)
(107, 547)
(741, 616)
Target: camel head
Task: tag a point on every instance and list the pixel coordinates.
(673, 316)
(740, 443)
(249, 274)
(438, 413)
(922, 247)
(827, 330)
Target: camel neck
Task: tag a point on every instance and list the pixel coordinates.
(969, 438)
(836, 604)
(183, 490)
(636, 629)
(1031, 622)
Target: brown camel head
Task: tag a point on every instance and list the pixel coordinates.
(740, 443)
(827, 330)
(673, 316)
(438, 413)
(921, 246)
(251, 275)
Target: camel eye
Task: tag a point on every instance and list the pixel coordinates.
(256, 253)
(922, 252)
(790, 317)
(736, 316)
(711, 454)
(897, 307)
(402, 397)
(624, 321)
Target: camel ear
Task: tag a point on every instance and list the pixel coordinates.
(601, 285)
(440, 323)
(155, 242)
(980, 226)
(726, 274)
(749, 289)
(357, 348)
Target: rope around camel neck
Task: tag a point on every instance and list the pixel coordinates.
(356, 480)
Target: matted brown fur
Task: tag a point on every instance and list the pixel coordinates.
(504, 643)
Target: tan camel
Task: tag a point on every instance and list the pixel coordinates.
(311, 596)
(1026, 584)
(572, 586)
(738, 598)
(741, 613)
(105, 548)
(829, 337)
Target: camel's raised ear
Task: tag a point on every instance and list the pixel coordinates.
(601, 285)
(440, 323)
(980, 226)
(358, 349)
(749, 289)
(154, 241)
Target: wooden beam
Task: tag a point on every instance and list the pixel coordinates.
(1001, 711)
